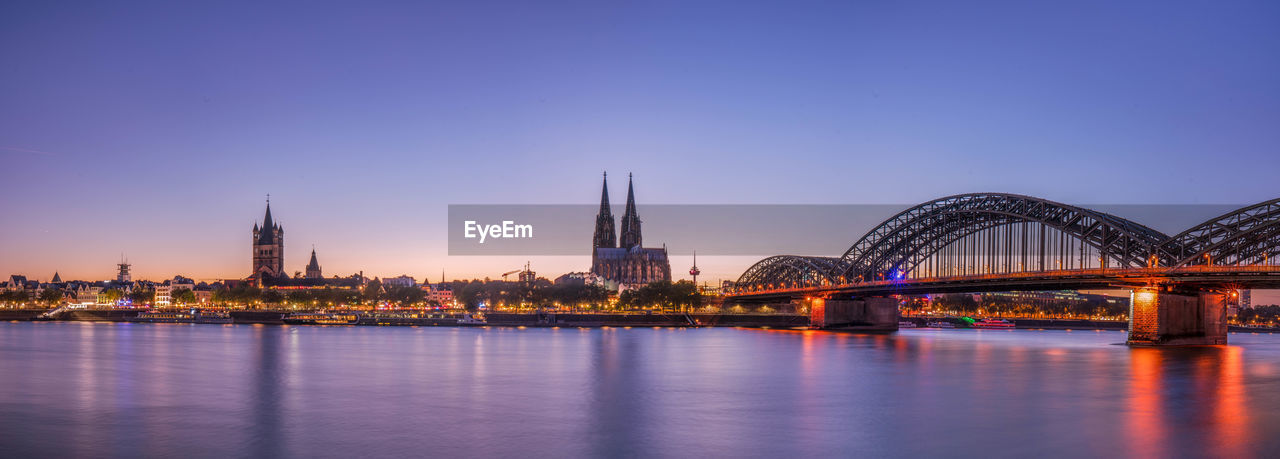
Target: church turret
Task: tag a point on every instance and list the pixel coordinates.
(313, 268)
(630, 234)
(605, 237)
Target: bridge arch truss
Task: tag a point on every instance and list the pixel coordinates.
(998, 233)
(1245, 236)
(989, 233)
(792, 270)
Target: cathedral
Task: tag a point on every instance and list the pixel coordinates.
(626, 262)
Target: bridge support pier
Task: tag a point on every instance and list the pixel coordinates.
(1164, 317)
(874, 314)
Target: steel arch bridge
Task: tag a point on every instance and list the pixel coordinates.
(998, 236)
(793, 270)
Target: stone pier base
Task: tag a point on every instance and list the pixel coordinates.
(1161, 317)
(862, 314)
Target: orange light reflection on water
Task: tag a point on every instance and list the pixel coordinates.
(1146, 431)
(1218, 399)
(1230, 414)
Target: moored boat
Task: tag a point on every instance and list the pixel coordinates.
(994, 324)
(186, 316)
(941, 324)
(413, 318)
(472, 320)
(322, 318)
(906, 324)
(213, 317)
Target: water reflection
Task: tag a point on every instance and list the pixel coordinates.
(169, 390)
(1192, 397)
(265, 435)
(1146, 412)
(1231, 415)
(617, 410)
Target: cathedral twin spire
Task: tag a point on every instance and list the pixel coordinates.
(628, 262)
(630, 234)
(605, 236)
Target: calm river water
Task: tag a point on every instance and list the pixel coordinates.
(133, 390)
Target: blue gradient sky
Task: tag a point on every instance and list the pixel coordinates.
(155, 129)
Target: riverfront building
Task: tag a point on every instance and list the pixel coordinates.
(627, 262)
(402, 281)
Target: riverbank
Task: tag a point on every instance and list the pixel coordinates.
(1041, 324)
(21, 314)
(276, 317)
(1071, 324)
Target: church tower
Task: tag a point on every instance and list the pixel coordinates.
(605, 236)
(313, 268)
(630, 235)
(268, 249)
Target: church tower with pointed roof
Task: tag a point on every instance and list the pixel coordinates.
(313, 268)
(268, 249)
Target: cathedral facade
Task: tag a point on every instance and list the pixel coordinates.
(626, 263)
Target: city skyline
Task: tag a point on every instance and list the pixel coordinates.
(1263, 295)
(468, 229)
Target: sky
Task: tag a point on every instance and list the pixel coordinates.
(156, 129)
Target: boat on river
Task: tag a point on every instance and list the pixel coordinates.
(322, 318)
(1000, 324)
(472, 320)
(185, 316)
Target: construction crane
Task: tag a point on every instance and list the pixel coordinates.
(522, 276)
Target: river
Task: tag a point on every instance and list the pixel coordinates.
(142, 390)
